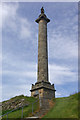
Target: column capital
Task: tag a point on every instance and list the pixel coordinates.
(42, 16)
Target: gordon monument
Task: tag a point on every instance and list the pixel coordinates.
(42, 88)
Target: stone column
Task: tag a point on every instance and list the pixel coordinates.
(43, 88)
(42, 48)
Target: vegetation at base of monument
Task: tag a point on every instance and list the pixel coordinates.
(66, 107)
(27, 110)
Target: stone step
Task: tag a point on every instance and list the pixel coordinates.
(32, 118)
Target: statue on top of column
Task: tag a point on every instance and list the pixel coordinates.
(42, 10)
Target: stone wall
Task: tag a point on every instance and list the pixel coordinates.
(49, 94)
(43, 93)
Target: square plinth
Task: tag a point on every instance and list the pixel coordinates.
(43, 90)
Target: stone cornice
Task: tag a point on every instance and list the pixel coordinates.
(42, 16)
(42, 84)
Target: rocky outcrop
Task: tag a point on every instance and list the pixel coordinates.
(14, 103)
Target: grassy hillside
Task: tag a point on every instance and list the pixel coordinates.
(26, 110)
(66, 107)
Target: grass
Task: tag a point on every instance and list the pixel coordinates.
(66, 107)
(27, 110)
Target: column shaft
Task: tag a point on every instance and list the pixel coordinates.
(42, 52)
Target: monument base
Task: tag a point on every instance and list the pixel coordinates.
(43, 90)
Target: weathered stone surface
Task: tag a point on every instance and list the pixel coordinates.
(16, 102)
(42, 52)
(43, 88)
(46, 106)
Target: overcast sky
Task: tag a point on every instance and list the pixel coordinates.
(40, 0)
(20, 47)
